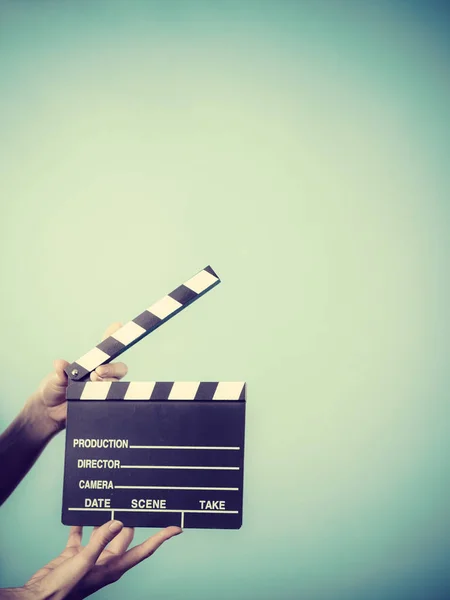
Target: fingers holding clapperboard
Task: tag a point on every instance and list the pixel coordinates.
(49, 402)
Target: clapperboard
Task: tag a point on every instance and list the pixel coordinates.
(158, 453)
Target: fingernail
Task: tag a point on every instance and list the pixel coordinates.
(102, 371)
(173, 534)
(115, 526)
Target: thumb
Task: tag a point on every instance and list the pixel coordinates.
(53, 387)
(56, 381)
(101, 539)
(59, 365)
(66, 576)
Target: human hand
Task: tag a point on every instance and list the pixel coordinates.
(80, 571)
(49, 402)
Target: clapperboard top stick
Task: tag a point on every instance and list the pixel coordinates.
(133, 331)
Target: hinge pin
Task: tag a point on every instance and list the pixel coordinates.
(74, 372)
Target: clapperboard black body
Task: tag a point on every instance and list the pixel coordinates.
(153, 454)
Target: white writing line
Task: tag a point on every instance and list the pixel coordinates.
(188, 447)
(228, 512)
(177, 467)
(170, 487)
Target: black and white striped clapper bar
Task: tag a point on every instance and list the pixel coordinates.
(157, 453)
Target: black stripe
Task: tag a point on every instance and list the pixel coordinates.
(183, 294)
(206, 390)
(211, 271)
(74, 391)
(111, 346)
(147, 320)
(161, 390)
(117, 390)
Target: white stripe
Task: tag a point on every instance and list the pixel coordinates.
(228, 390)
(164, 307)
(168, 510)
(178, 467)
(182, 519)
(188, 447)
(171, 487)
(139, 390)
(95, 390)
(201, 281)
(128, 333)
(112, 515)
(184, 390)
(92, 359)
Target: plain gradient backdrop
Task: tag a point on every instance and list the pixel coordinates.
(301, 149)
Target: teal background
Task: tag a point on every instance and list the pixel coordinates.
(301, 149)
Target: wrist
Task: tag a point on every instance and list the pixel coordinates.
(14, 594)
